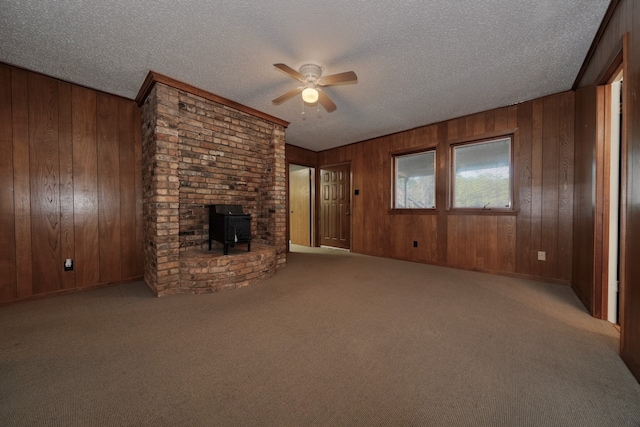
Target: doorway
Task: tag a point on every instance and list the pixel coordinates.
(613, 174)
(301, 191)
(610, 194)
(335, 206)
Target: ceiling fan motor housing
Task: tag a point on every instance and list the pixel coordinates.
(311, 72)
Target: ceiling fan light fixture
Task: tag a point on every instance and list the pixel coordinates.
(310, 95)
(310, 77)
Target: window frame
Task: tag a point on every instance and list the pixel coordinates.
(394, 157)
(513, 189)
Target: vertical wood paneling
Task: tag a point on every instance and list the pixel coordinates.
(490, 121)
(481, 259)
(127, 184)
(49, 195)
(468, 249)
(442, 229)
(550, 152)
(507, 233)
(453, 236)
(536, 189)
(525, 186)
(8, 290)
(512, 115)
(376, 229)
(432, 253)
(137, 141)
(502, 118)
(399, 248)
(65, 148)
(479, 124)
(565, 187)
(85, 190)
(583, 200)
(487, 249)
(452, 129)
(466, 126)
(483, 241)
(45, 181)
(21, 181)
(108, 187)
(384, 197)
(410, 228)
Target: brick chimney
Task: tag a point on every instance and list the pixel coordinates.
(197, 152)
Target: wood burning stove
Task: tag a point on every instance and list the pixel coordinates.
(229, 226)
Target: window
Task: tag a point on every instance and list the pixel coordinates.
(415, 181)
(482, 175)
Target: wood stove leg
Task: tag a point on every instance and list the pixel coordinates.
(226, 249)
(249, 247)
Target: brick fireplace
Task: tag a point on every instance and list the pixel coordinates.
(199, 149)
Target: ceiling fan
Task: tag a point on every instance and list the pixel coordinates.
(311, 77)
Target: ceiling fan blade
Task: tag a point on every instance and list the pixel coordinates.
(290, 71)
(290, 94)
(340, 78)
(326, 102)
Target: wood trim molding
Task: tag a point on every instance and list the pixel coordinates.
(596, 40)
(483, 137)
(153, 78)
(615, 62)
(598, 303)
(624, 201)
(415, 150)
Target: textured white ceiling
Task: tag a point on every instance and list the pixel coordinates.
(418, 62)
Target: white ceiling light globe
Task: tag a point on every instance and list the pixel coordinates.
(310, 95)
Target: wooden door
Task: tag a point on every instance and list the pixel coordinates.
(335, 214)
(300, 205)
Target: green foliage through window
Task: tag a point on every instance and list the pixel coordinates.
(482, 175)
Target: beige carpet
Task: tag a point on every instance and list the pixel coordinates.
(333, 339)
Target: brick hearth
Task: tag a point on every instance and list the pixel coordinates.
(198, 152)
(202, 271)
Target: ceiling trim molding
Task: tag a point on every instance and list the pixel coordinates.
(596, 40)
(153, 78)
(613, 63)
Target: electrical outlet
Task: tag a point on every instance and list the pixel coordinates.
(68, 264)
(415, 243)
(542, 256)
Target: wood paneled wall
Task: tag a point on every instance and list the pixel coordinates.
(624, 19)
(582, 280)
(71, 186)
(501, 243)
(301, 156)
